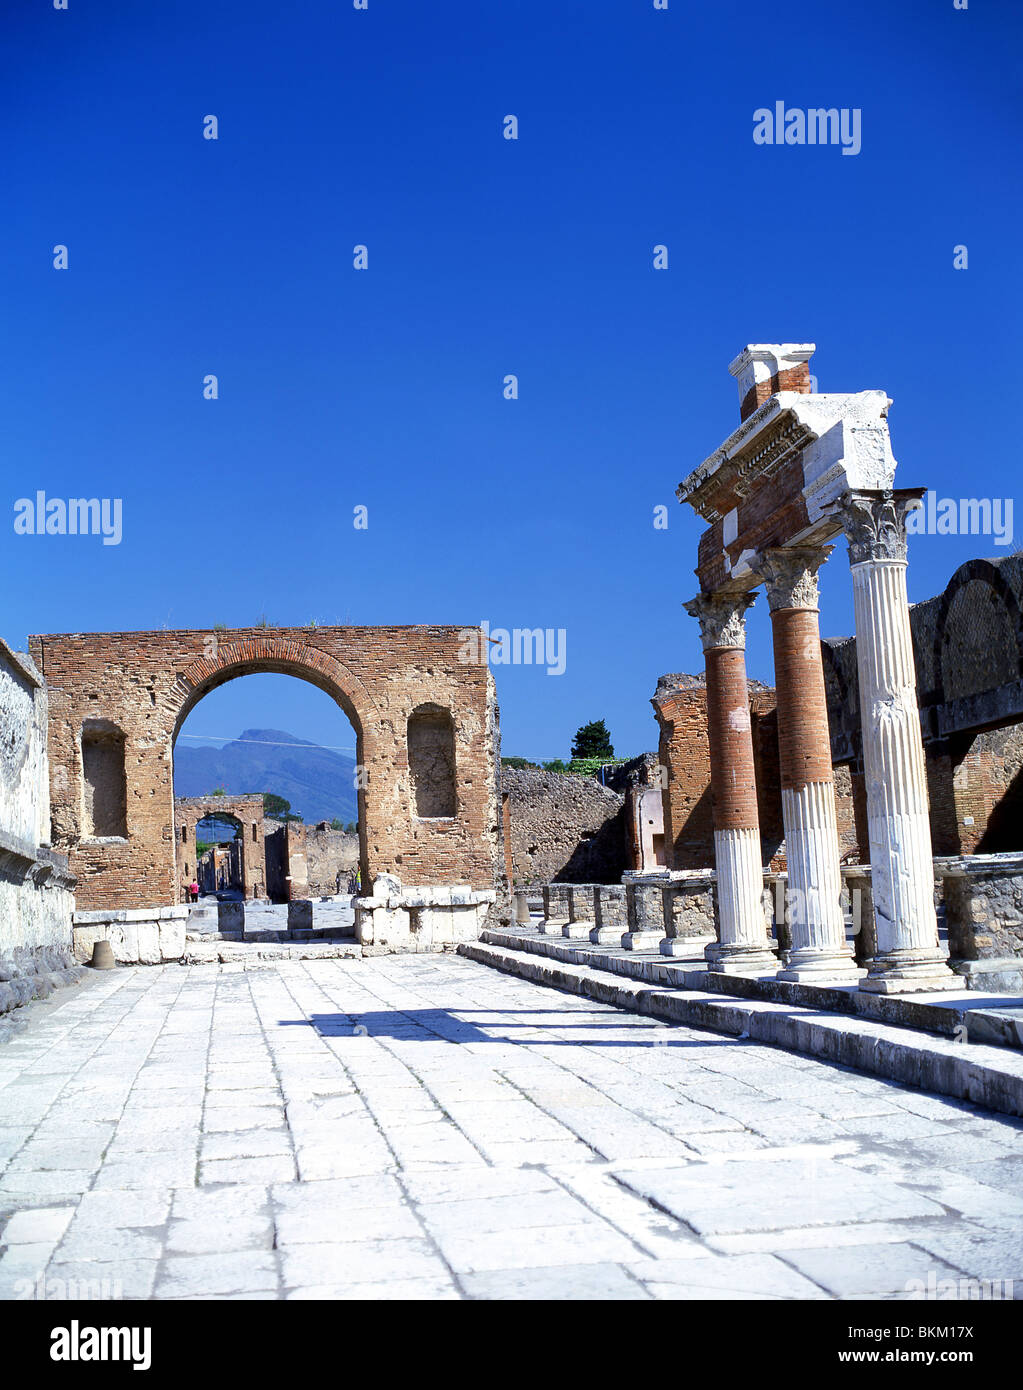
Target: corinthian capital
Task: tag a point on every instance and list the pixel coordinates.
(790, 575)
(721, 617)
(874, 521)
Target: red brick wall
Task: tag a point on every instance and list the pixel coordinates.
(146, 682)
(684, 751)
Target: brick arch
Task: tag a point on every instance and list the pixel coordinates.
(1000, 591)
(274, 655)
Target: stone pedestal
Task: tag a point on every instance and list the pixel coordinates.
(555, 909)
(610, 915)
(819, 951)
(908, 958)
(645, 905)
(689, 904)
(742, 944)
(580, 912)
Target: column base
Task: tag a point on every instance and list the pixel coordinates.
(910, 971)
(691, 947)
(606, 936)
(552, 926)
(808, 965)
(642, 940)
(740, 960)
(577, 930)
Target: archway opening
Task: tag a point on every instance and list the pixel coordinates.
(286, 751)
(219, 856)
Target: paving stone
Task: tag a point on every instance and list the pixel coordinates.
(874, 1271)
(360, 1262)
(750, 1195)
(602, 1282)
(252, 1143)
(321, 1224)
(214, 1275)
(725, 1277)
(36, 1225)
(247, 1170)
(397, 1290)
(592, 1242)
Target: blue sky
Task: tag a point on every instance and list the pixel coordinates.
(383, 387)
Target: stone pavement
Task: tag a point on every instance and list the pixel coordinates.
(423, 1127)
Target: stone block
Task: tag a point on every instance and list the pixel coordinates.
(172, 939)
(147, 937)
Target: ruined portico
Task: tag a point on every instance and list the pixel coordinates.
(801, 470)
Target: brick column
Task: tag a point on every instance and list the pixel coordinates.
(814, 897)
(743, 945)
(908, 957)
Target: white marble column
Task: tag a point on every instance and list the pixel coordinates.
(743, 945)
(819, 951)
(909, 958)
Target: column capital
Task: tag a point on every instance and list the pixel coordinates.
(790, 575)
(874, 521)
(722, 618)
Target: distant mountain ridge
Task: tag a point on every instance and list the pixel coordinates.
(318, 782)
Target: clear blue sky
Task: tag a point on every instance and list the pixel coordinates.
(486, 257)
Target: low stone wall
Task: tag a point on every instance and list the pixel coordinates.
(980, 898)
(984, 916)
(396, 918)
(137, 936)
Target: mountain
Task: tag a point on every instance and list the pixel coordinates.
(319, 783)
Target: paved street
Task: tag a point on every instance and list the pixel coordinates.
(423, 1127)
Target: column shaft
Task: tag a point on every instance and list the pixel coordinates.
(813, 901)
(908, 956)
(742, 925)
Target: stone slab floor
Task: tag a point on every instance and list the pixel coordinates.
(423, 1127)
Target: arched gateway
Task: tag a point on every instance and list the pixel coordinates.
(117, 701)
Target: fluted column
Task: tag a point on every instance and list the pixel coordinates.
(814, 897)
(908, 956)
(743, 945)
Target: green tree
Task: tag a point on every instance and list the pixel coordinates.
(335, 824)
(276, 806)
(516, 762)
(555, 765)
(592, 741)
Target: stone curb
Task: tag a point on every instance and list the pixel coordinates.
(948, 1018)
(983, 1075)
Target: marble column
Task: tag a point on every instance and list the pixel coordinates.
(743, 945)
(819, 950)
(908, 956)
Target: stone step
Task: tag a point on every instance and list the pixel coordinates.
(960, 1014)
(979, 1073)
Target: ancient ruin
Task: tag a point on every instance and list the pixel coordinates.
(814, 831)
(426, 729)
